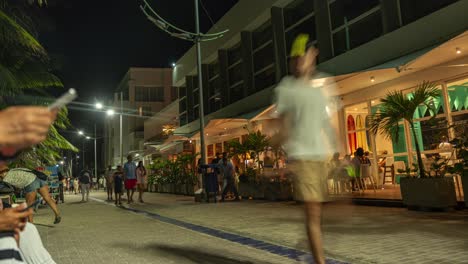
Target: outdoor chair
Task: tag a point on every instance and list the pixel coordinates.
(389, 172)
(365, 174)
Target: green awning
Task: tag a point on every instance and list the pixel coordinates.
(252, 114)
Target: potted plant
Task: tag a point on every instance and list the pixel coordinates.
(420, 190)
(250, 185)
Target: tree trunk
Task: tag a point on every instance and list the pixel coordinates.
(422, 172)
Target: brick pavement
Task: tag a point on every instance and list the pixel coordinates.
(357, 234)
(96, 232)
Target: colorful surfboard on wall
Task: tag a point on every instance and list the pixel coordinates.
(361, 135)
(352, 141)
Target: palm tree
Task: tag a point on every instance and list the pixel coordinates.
(24, 65)
(396, 107)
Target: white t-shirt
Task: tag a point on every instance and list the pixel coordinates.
(309, 106)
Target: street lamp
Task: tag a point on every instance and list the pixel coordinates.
(99, 106)
(110, 112)
(87, 137)
(196, 37)
(81, 132)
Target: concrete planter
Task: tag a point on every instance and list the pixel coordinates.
(428, 193)
(254, 190)
(464, 179)
(278, 191)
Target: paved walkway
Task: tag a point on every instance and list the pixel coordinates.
(354, 234)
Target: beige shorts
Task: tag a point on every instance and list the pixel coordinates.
(310, 180)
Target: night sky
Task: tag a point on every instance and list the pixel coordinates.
(94, 42)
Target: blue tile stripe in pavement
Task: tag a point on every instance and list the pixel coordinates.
(258, 244)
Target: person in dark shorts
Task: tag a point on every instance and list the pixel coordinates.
(118, 185)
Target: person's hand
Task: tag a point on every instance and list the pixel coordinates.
(14, 219)
(25, 126)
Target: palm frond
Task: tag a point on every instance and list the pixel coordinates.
(16, 37)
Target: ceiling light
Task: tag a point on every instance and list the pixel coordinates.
(458, 50)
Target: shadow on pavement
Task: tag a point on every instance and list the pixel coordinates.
(199, 256)
(49, 226)
(194, 255)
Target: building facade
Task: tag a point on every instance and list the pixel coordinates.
(141, 93)
(369, 46)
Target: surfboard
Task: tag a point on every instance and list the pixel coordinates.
(361, 135)
(351, 135)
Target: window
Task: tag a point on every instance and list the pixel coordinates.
(149, 94)
(235, 74)
(234, 54)
(412, 10)
(354, 24)
(237, 93)
(196, 113)
(145, 111)
(182, 92)
(264, 57)
(343, 11)
(396, 150)
(196, 97)
(215, 104)
(174, 93)
(183, 119)
(213, 69)
(265, 79)
(458, 96)
(458, 103)
(183, 104)
(366, 29)
(214, 86)
(262, 35)
(210, 150)
(297, 10)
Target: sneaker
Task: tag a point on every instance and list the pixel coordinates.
(58, 219)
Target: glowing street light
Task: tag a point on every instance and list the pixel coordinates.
(110, 112)
(99, 106)
(81, 132)
(61, 162)
(88, 137)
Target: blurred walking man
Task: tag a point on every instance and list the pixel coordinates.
(303, 106)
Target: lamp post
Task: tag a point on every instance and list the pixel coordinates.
(111, 112)
(197, 38)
